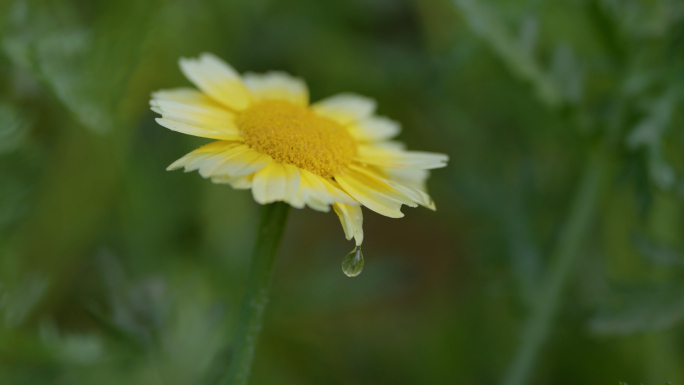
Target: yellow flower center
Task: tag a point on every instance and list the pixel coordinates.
(293, 134)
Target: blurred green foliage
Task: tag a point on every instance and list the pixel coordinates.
(113, 271)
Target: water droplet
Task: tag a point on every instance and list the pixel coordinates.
(352, 264)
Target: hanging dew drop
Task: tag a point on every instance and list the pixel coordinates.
(352, 264)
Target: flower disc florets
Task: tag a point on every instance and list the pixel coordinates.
(295, 135)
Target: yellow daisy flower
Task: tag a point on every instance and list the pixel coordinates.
(271, 140)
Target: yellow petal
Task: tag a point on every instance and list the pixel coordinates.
(374, 128)
(211, 166)
(185, 95)
(277, 85)
(337, 193)
(418, 195)
(414, 177)
(374, 193)
(351, 218)
(203, 132)
(312, 192)
(223, 159)
(272, 184)
(205, 152)
(345, 108)
(207, 165)
(293, 183)
(240, 163)
(415, 195)
(217, 79)
(394, 158)
(319, 193)
(239, 183)
(191, 112)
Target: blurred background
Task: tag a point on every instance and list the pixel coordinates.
(556, 254)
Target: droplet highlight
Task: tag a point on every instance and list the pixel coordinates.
(352, 264)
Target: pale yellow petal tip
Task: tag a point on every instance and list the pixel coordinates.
(176, 165)
(345, 108)
(277, 85)
(216, 78)
(154, 105)
(439, 161)
(206, 59)
(358, 234)
(273, 75)
(185, 63)
(154, 95)
(189, 60)
(209, 56)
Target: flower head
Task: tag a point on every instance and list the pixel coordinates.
(335, 152)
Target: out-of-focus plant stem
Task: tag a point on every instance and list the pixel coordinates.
(538, 325)
(271, 228)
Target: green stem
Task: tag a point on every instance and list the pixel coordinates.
(271, 227)
(566, 254)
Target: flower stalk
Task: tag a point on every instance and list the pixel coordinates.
(270, 233)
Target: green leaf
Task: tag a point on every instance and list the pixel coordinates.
(14, 127)
(485, 23)
(85, 66)
(649, 134)
(658, 253)
(641, 310)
